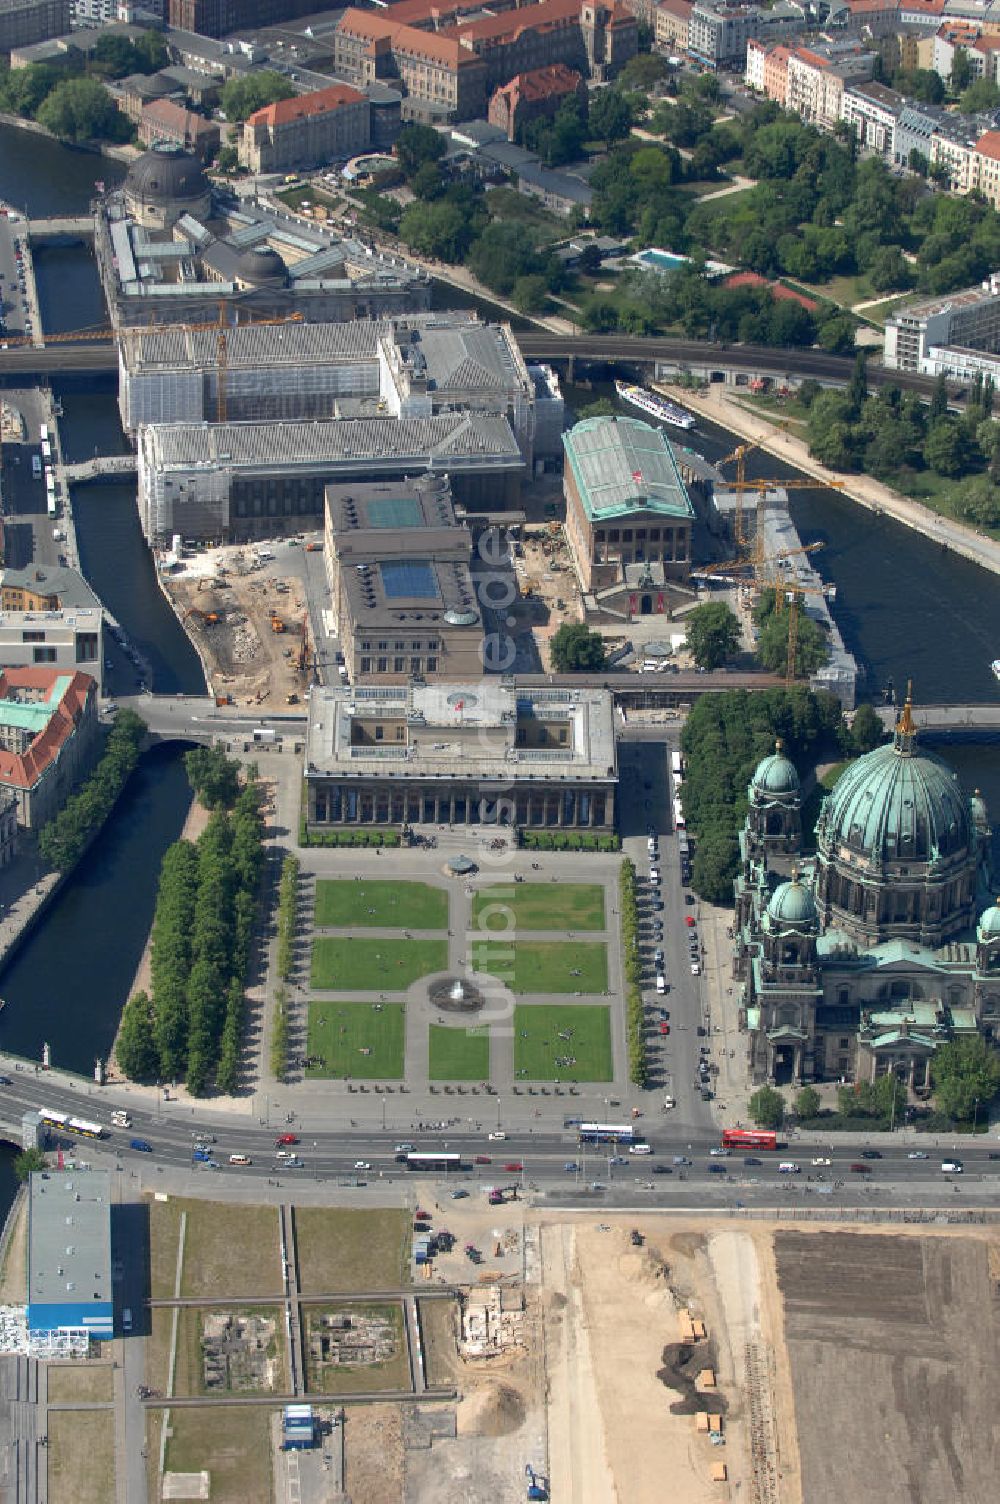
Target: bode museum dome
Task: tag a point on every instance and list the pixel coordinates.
(165, 183)
(866, 956)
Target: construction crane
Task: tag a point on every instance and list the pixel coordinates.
(791, 592)
(220, 324)
(752, 566)
(741, 485)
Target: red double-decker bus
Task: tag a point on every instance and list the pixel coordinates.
(749, 1138)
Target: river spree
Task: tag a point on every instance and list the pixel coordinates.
(39, 176)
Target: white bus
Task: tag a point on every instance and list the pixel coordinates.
(53, 509)
(44, 433)
(46, 450)
(679, 821)
(676, 765)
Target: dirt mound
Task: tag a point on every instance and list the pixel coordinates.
(687, 1244)
(496, 1410)
(681, 1366)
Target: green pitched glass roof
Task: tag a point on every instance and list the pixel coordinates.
(394, 511)
(621, 465)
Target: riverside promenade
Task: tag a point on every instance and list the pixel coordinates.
(719, 407)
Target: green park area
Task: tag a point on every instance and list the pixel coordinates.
(458, 1054)
(562, 1042)
(353, 965)
(380, 904)
(540, 966)
(356, 1039)
(539, 906)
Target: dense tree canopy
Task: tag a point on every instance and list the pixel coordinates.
(241, 96)
(774, 632)
(80, 109)
(723, 740)
(965, 1073)
(574, 647)
(713, 634)
(767, 1107)
(66, 836)
(416, 145)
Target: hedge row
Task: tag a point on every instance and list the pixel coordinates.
(568, 840)
(634, 1014)
(288, 900)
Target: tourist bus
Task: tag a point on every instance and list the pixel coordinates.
(749, 1138)
(607, 1133)
(676, 766)
(44, 433)
(46, 450)
(433, 1163)
(71, 1124)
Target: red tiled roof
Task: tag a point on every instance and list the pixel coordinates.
(24, 770)
(512, 23)
(409, 39)
(813, 58)
(680, 8)
(988, 145)
(543, 83)
(175, 117)
(319, 102)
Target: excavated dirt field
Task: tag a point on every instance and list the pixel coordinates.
(246, 622)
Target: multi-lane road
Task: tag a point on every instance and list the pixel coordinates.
(366, 1156)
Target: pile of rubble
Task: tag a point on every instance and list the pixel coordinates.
(245, 642)
(492, 1320)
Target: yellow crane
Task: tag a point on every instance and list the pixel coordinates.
(791, 592)
(741, 485)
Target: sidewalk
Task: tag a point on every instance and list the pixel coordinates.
(720, 408)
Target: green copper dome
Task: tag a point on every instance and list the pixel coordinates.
(988, 927)
(896, 804)
(792, 903)
(776, 774)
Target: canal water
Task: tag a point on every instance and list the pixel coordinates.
(42, 178)
(67, 983)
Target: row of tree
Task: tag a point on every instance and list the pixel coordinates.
(635, 1024)
(288, 907)
(190, 1027)
(66, 836)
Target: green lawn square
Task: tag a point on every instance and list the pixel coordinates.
(366, 964)
(459, 1054)
(340, 1033)
(540, 906)
(380, 904)
(541, 966)
(538, 1045)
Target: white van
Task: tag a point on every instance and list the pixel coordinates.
(120, 1119)
(661, 984)
(639, 1149)
(788, 1167)
(951, 1167)
(240, 1159)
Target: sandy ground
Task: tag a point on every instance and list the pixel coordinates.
(373, 1452)
(243, 655)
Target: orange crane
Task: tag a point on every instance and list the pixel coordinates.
(741, 485)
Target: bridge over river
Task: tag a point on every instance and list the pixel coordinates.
(198, 718)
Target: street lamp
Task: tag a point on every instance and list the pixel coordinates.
(498, 1111)
(975, 1113)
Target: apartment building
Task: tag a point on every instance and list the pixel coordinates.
(671, 23)
(718, 32)
(815, 89)
(969, 319)
(872, 111)
(306, 131)
(213, 18)
(954, 150)
(987, 167)
(23, 22)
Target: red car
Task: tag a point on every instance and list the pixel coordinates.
(421, 1215)
(689, 921)
(482, 1159)
(664, 1028)
(285, 1138)
(514, 1166)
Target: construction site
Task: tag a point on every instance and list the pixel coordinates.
(248, 618)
